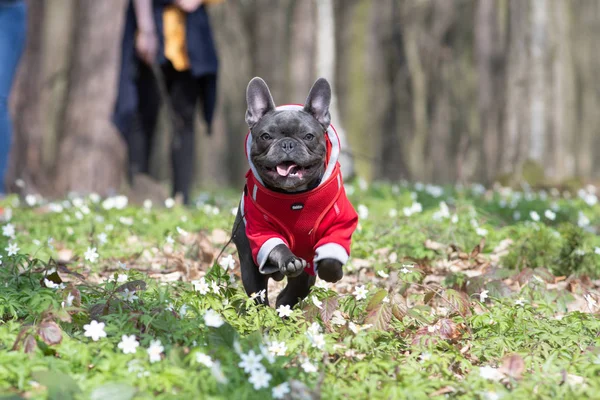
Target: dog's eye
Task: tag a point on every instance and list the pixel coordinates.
(265, 136)
(309, 136)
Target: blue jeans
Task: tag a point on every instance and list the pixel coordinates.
(13, 25)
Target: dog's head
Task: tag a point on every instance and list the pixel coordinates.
(288, 146)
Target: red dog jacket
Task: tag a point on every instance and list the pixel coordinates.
(315, 225)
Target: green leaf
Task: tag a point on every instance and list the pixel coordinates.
(475, 285)
(132, 286)
(428, 297)
(414, 313)
(498, 289)
(376, 299)
(544, 274)
(399, 311)
(113, 391)
(222, 336)
(60, 386)
(98, 310)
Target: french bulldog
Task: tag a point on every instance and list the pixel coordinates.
(294, 219)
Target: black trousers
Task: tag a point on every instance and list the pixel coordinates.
(183, 91)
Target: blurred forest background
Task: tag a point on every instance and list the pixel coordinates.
(429, 90)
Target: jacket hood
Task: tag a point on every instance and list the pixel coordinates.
(333, 147)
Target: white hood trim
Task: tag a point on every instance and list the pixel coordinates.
(333, 138)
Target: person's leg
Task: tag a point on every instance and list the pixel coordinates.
(207, 92)
(149, 106)
(183, 94)
(13, 26)
(141, 132)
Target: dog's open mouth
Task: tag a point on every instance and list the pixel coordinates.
(289, 170)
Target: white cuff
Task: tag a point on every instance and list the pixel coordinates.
(263, 256)
(330, 250)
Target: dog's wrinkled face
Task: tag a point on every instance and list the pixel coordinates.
(288, 146)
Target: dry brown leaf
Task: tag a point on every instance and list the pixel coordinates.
(30, 344)
(189, 269)
(50, 332)
(219, 236)
(169, 277)
(206, 250)
(382, 253)
(448, 329)
(435, 246)
(513, 365)
(64, 256)
(503, 246)
(443, 390)
(478, 249)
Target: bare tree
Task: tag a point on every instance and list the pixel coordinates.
(91, 155)
(26, 157)
(326, 68)
(426, 90)
(489, 45)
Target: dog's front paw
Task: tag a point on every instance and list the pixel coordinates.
(288, 264)
(330, 270)
(292, 266)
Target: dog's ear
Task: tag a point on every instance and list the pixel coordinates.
(317, 103)
(259, 101)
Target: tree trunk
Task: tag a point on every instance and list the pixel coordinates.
(537, 78)
(326, 69)
(490, 69)
(414, 21)
(26, 156)
(303, 49)
(563, 94)
(91, 156)
(515, 115)
(222, 157)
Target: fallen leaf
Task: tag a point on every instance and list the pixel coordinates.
(219, 236)
(513, 365)
(447, 329)
(64, 256)
(459, 300)
(50, 332)
(478, 249)
(380, 316)
(436, 246)
(443, 390)
(29, 344)
(376, 299)
(329, 305)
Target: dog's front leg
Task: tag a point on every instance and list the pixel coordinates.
(288, 264)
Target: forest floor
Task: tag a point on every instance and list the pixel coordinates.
(454, 292)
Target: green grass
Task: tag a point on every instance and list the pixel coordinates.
(423, 331)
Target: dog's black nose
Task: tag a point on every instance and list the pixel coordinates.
(287, 145)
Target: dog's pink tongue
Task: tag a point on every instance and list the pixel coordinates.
(284, 170)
